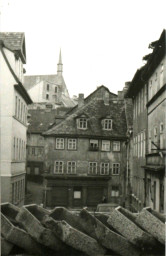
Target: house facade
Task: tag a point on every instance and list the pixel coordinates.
(48, 89)
(85, 154)
(147, 141)
(39, 120)
(14, 102)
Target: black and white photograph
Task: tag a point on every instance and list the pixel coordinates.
(82, 127)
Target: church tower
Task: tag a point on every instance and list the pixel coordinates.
(60, 65)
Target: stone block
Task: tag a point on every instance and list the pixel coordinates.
(152, 225)
(105, 236)
(19, 237)
(73, 237)
(6, 247)
(158, 215)
(41, 234)
(121, 221)
(37, 211)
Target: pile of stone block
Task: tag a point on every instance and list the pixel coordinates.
(33, 230)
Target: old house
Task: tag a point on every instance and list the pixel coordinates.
(14, 102)
(39, 120)
(85, 154)
(48, 90)
(147, 90)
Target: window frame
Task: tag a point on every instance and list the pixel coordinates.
(58, 171)
(106, 169)
(106, 125)
(75, 143)
(92, 171)
(75, 166)
(114, 171)
(93, 144)
(102, 145)
(82, 123)
(115, 188)
(57, 143)
(118, 147)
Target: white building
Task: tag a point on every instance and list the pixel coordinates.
(13, 105)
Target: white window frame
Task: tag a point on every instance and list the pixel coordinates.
(72, 144)
(58, 167)
(82, 123)
(115, 168)
(92, 168)
(107, 124)
(60, 144)
(71, 167)
(104, 168)
(116, 146)
(105, 145)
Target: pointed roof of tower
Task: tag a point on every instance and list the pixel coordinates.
(60, 57)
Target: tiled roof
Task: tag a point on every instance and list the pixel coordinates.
(95, 110)
(41, 119)
(34, 230)
(12, 40)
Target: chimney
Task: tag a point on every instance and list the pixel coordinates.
(126, 87)
(80, 100)
(120, 95)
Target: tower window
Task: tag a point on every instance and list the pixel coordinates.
(56, 89)
(48, 87)
(47, 96)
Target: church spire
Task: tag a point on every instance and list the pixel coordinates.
(60, 65)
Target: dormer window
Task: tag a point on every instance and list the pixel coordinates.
(107, 124)
(82, 123)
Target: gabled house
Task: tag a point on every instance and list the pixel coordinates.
(85, 154)
(13, 104)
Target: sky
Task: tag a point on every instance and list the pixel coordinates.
(102, 41)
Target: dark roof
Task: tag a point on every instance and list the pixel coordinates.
(41, 119)
(15, 41)
(95, 110)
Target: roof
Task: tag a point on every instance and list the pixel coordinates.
(41, 119)
(34, 230)
(95, 110)
(14, 41)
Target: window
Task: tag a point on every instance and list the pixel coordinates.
(150, 90)
(145, 96)
(59, 143)
(77, 194)
(33, 151)
(141, 144)
(161, 74)
(71, 167)
(161, 136)
(115, 191)
(92, 168)
(115, 168)
(94, 145)
(82, 123)
(48, 87)
(72, 144)
(144, 143)
(19, 108)
(155, 135)
(47, 96)
(107, 124)
(116, 145)
(150, 144)
(56, 89)
(105, 145)
(58, 167)
(14, 148)
(138, 153)
(104, 168)
(16, 106)
(134, 146)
